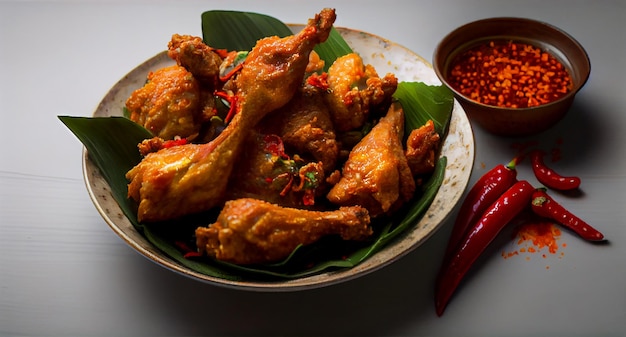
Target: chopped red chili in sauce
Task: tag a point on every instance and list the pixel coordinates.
(509, 74)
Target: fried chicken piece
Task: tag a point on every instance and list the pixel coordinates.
(251, 231)
(192, 53)
(191, 178)
(316, 64)
(376, 174)
(304, 125)
(275, 68)
(184, 179)
(355, 90)
(168, 105)
(265, 172)
(422, 146)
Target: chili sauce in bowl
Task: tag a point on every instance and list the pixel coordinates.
(513, 76)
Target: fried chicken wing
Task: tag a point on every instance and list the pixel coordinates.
(250, 231)
(376, 174)
(422, 146)
(191, 178)
(355, 90)
(168, 105)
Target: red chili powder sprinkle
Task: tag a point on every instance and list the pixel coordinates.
(534, 237)
(541, 235)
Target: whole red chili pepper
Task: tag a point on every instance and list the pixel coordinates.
(543, 205)
(549, 177)
(476, 240)
(487, 189)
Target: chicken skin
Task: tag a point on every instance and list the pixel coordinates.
(305, 126)
(355, 90)
(192, 178)
(193, 54)
(275, 68)
(376, 174)
(264, 171)
(168, 105)
(184, 179)
(422, 146)
(251, 231)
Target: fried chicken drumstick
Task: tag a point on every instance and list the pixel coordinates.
(250, 231)
(191, 178)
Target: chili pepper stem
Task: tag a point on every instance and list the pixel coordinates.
(512, 165)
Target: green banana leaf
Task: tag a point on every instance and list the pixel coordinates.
(239, 31)
(433, 102)
(111, 144)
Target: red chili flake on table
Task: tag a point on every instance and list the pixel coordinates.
(509, 74)
(533, 237)
(541, 235)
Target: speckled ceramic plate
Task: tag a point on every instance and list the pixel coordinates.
(386, 56)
